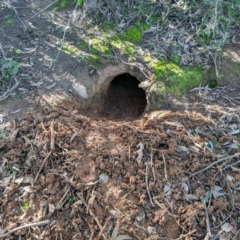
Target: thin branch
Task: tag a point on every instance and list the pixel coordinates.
(92, 214)
(146, 181)
(209, 234)
(44, 161)
(3, 53)
(214, 163)
(66, 27)
(165, 167)
(25, 226)
(52, 136)
(40, 11)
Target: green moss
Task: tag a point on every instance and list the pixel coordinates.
(125, 46)
(10, 21)
(107, 26)
(69, 49)
(134, 34)
(100, 45)
(177, 59)
(63, 3)
(93, 58)
(83, 45)
(177, 80)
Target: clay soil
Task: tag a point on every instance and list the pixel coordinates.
(52, 161)
(72, 172)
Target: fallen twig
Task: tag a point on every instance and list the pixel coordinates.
(40, 11)
(25, 226)
(146, 181)
(184, 236)
(214, 163)
(129, 153)
(44, 161)
(165, 167)
(52, 136)
(133, 128)
(103, 229)
(92, 214)
(63, 176)
(3, 53)
(209, 234)
(5, 95)
(152, 166)
(65, 29)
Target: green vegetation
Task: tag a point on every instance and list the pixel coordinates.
(16, 51)
(8, 21)
(69, 49)
(64, 3)
(70, 199)
(2, 134)
(8, 67)
(134, 34)
(99, 45)
(25, 206)
(176, 79)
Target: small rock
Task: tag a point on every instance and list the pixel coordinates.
(151, 230)
(145, 85)
(104, 178)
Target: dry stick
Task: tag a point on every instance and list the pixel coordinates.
(44, 161)
(183, 236)
(152, 166)
(40, 11)
(209, 234)
(25, 226)
(103, 229)
(162, 206)
(92, 214)
(5, 95)
(3, 53)
(135, 129)
(165, 167)
(60, 203)
(146, 180)
(233, 164)
(66, 27)
(129, 153)
(63, 176)
(52, 136)
(214, 163)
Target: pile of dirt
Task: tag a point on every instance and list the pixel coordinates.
(72, 176)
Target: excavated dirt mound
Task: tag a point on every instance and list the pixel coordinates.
(79, 177)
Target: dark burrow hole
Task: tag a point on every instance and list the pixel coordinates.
(124, 99)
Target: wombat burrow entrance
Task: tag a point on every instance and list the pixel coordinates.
(124, 99)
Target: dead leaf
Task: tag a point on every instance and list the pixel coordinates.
(115, 230)
(216, 192)
(122, 237)
(24, 180)
(192, 197)
(175, 124)
(234, 132)
(183, 149)
(5, 182)
(140, 152)
(185, 188)
(51, 86)
(226, 227)
(167, 189)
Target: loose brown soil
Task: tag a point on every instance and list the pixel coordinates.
(150, 199)
(53, 150)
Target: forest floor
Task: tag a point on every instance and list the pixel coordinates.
(70, 172)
